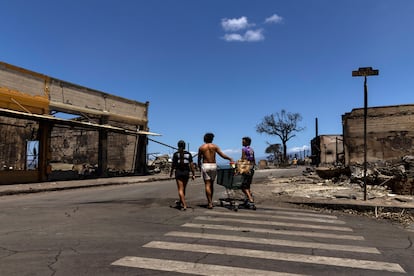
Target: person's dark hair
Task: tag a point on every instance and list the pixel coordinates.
(181, 144)
(181, 147)
(208, 137)
(248, 140)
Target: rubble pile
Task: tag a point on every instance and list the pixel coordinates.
(407, 185)
(409, 165)
(161, 164)
(312, 186)
(397, 176)
(404, 218)
(347, 189)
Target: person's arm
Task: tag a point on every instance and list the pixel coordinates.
(192, 170)
(172, 170)
(173, 165)
(199, 157)
(192, 166)
(219, 152)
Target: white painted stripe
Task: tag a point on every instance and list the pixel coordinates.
(272, 231)
(277, 223)
(295, 212)
(290, 217)
(287, 243)
(193, 268)
(279, 256)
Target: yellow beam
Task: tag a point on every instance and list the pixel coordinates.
(15, 100)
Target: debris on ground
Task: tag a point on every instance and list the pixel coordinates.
(343, 187)
(161, 164)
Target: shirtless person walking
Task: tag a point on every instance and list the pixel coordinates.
(207, 163)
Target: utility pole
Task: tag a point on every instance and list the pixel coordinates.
(364, 72)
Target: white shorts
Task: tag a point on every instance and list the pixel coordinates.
(209, 171)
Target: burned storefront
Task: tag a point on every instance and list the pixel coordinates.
(389, 144)
(52, 129)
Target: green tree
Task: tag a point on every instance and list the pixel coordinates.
(282, 124)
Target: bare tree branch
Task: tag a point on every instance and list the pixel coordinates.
(283, 125)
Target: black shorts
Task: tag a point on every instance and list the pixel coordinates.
(247, 180)
(182, 174)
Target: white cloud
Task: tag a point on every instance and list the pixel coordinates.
(233, 37)
(232, 151)
(235, 24)
(234, 28)
(274, 19)
(254, 35)
(298, 149)
(248, 36)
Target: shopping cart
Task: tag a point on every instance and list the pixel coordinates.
(229, 179)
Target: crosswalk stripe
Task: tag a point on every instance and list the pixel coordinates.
(193, 268)
(290, 217)
(287, 243)
(276, 223)
(272, 231)
(295, 212)
(270, 255)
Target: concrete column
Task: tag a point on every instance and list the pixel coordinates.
(141, 156)
(103, 150)
(45, 129)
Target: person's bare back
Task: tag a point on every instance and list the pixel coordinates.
(207, 152)
(207, 163)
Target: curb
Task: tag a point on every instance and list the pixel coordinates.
(69, 185)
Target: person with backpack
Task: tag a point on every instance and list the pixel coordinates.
(182, 165)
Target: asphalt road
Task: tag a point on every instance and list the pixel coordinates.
(131, 230)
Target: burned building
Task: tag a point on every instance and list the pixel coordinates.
(327, 150)
(390, 134)
(389, 144)
(99, 135)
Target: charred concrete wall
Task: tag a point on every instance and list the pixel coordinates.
(14, 135)
(327, 150)
(80, 147)
(73, 151)
(390, 133)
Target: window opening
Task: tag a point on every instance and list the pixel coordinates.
(32, 155)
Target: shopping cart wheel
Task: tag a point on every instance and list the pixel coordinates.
(236, 207)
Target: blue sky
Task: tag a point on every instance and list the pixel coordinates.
(221, 65)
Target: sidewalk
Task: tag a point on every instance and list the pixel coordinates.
(75, 184)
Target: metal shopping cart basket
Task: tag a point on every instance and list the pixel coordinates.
(227, 177)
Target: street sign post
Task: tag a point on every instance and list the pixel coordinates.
(364, 72)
